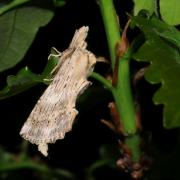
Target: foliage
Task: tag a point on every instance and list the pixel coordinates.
(143, 4)
(19, 29)
(169, 10)
(5, 6)
(157, 43)
(26, 79)
(161, 49)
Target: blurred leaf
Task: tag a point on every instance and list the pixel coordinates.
(64, 174)
(164, 59)
(144, 4)
(166, 164)
(4, 157)
(35, 166)
(59, 3)
(109, 151)
(170, 11)
(25, 79)
(108, 157)
(9, 162)
(17, 31)
(23, 165)
(9, 5)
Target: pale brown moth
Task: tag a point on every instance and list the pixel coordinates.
(55, 111)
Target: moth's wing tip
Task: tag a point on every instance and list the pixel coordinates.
(78, 41)
(85, 28)
(43, 148)
(23, 132)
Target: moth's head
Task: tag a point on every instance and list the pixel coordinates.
(91, 61)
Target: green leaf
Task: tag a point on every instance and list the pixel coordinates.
(9, 5)
(59, 3)
(170, 11)
(17, 31)
(166, 164)
(144, 4)
(109, 154)
(168, 32)
(5, 157)
(172, 35)
(26, 79)
(164, 59)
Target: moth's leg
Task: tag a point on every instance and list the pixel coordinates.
(54, 53)
(56, 68)
(48, 81)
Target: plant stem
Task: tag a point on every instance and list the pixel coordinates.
(133, 143)
(122, 92)
(123, 96)
(101, 79)
(112, 28)
(124, 102)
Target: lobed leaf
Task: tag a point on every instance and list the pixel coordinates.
(161, 49)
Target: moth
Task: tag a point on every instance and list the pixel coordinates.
(55, 111)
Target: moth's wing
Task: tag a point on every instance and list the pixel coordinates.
(50, 119)
(79, 37)
(54, 113)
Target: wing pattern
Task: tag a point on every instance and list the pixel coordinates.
(54, 113)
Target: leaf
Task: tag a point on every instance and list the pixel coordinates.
(5, 157)
(26, 79)
(109, 154)
(169, 11)
(166, 164)
(171, 34)
(164, 59)
(17, 31)
(11, 162)
(9, 5)
(164, 30)
(59, 3)
(144, 4)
